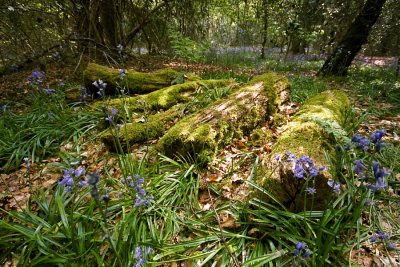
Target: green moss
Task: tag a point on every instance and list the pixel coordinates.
(135, 82)
(163, 98)
(307, 135)
(258, 137)
(132, 133)
(233, 116)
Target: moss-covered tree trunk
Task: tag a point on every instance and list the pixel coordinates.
(310, 133)
(201, 134)
(163, 108)
(355, 37)
(133, 82)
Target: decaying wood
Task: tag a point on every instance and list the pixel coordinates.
(310, 133)
(133, 82)
(201, 134)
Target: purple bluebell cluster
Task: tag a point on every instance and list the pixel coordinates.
(69, 177)
(378, 182)
(304, 167)
(137, 183)
(36, 77)
(361, 142)
(110, 114)
(375, 139)
(301, 250)
(84, 94)
(99, 84)
(382, 237)
(359, 167)
(122, 74)
(335, 186)
(140, 255)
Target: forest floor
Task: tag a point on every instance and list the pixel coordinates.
(16, 187)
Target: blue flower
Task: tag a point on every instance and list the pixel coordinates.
(49, 91)
(377, 136)
(336, 186)
(304, 166)
(382, 235)
(301, 247)
(114, 111)
(138, 252)
(391, 245)
(122, 74)
(311, 190)
(358, 167)
(82, 183)
(363, 143)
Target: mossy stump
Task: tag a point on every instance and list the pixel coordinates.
(199, 135)
(307, 134)
(134, 82)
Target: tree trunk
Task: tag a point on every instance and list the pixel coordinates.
(357, 34)
(265, 28)
(201, 134)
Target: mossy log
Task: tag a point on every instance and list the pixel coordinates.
(134, 82)
(164, 98)
(131, 133)
(311, 132)
(200, 134)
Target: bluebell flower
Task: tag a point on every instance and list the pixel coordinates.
(358, 167)
(114, 111)
(336, 186)
(301, 247)
(49, 91)
(140, 262)
(373, 239)
(278, 157)
(82, 183)
(391, 245)
(377, 136)
(380, 184)
(138, 252)
(304, 166)
(382, 235)
(118, 127)
(290, 156)
(80, 171)
(142, 201)
(311, 190)
(36, 77)
(122, 74)
(84, 94)
(363, 143)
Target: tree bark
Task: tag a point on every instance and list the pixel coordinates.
(357, 34)
(201, 134)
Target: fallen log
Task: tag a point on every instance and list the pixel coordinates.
(199, 135)
(312, 133)
(133, 81)
(163, 98)
(131, 133)
(167, 102)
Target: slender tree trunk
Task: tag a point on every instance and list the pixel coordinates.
(357, 34)
(265, 28)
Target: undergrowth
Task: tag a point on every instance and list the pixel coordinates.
(150, 214)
